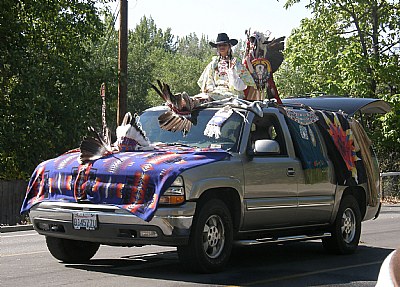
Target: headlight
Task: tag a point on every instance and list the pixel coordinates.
(175, 194)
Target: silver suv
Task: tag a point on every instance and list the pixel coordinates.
(261, 192)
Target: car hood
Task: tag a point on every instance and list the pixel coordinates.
(348, 105)
(133, 181)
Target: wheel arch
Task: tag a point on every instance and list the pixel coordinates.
(230, 197)
(360, 195)
(346, 229)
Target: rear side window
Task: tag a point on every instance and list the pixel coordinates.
(307, 144)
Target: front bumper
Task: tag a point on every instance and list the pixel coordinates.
(115, 226)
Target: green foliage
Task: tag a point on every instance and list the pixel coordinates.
(145, 42)
(155, 55)
(182, 69)
(320, 60)
(345, 48)
(192, 46)
(47, 81)
(386, 135)
(390, 124)
(349, 48)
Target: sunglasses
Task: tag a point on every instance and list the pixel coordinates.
(223, 45)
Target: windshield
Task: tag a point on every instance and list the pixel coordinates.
(230, 131)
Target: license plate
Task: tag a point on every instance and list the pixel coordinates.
(86, 221)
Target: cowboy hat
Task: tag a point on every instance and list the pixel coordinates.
(223, 38)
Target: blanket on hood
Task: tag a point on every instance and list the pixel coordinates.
(130, 180)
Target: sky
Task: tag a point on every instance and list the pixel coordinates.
(210, 17)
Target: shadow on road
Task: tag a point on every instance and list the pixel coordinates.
(292, 264)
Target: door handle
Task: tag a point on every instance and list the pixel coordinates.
(290, 171)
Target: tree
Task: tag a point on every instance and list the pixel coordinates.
(182, 69)
(317, 59)
(349, 48)
(46, 82)
(192, 46)
(155, 55)
(145, 41)
(368, 31)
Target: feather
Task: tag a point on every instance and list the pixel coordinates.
(180, 126)
(106, 130)
(159, 92)
(181, 106)
(141, 137)
(137, 133)
(187, 101)
(274, 52)
(275, 58)
(164, 117)
(170, 121)
(180, 103)
(276, 44)
(93, 147)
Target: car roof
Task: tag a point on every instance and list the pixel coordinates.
(346, 104)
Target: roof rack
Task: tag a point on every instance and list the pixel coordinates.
(317, 95)
(297, 106)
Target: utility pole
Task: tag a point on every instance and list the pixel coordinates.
(122, 61)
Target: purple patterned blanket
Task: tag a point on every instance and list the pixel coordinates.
(130, 180)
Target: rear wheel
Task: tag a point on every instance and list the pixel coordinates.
(346, 229)
(211, 239)
(71, 251)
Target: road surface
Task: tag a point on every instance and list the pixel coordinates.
(25, 261)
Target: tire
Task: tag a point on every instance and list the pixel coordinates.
(346, 230)
(211, 237)
(71, 251)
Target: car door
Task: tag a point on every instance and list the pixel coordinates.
(316, 185)
(271, 180)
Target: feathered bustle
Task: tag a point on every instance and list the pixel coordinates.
(274, 52)
(93, 147)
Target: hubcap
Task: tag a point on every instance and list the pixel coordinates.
(213, 236)
(348, 225)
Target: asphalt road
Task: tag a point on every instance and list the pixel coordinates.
(25, 261)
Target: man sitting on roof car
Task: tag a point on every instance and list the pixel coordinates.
(224, 76)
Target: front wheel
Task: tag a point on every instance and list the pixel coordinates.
(346, 229)
(71, 251)
(210, 242)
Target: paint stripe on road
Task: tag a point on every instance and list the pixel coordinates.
(22, 254)
(19, 235)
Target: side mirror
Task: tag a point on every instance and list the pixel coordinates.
(266, 147)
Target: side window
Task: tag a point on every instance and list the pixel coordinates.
(307, 144)
(267, 127)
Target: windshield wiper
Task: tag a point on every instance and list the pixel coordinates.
(180, 145)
